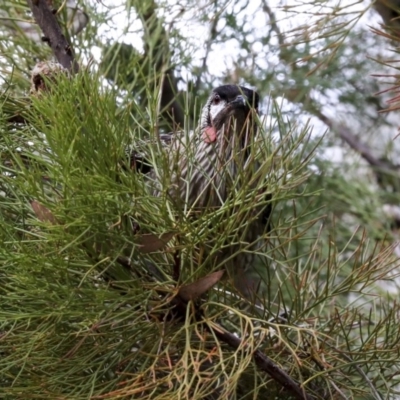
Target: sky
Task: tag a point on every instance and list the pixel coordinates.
(290, 14)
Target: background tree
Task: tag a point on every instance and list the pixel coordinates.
(103, 290)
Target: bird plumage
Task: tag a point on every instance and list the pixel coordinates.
(208, 166)
(207, 160)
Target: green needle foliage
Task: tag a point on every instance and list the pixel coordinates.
(92, 306)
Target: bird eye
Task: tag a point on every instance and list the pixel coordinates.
(216, 99)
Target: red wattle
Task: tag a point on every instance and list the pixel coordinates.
(210, 134)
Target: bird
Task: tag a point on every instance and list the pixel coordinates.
(208, 166)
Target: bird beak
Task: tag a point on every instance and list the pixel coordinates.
(240, 101)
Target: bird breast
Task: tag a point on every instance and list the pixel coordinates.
(201, 171)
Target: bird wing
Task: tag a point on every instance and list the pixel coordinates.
(138, 157)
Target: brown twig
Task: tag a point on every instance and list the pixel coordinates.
(53, 34)
(264, 363)
(357, 145)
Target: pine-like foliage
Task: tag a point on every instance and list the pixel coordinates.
(109, 291)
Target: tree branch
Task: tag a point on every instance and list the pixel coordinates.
(53, 34)
(357, 145)
(341, 130)
(158, 56)
(274, 26)
(264, 363)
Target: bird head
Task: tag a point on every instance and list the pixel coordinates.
(227, 112)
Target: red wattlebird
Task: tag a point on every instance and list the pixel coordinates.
(208, 167)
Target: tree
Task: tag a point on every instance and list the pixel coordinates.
(104, 290)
